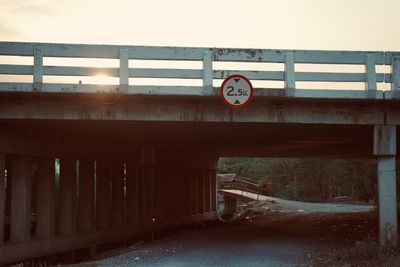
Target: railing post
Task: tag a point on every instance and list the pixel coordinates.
(207, 73)
(370, 75)
(290, 79)
(396, 76)
(124, 69)
(37, 68)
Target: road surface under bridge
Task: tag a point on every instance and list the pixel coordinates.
(133, 159)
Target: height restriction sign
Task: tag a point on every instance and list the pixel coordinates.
(236, 91)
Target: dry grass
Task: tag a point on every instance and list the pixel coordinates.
(363, 254)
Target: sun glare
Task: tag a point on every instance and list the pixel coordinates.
(101, 79)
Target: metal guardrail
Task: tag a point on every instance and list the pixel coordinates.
(242, 185)
(289, 58)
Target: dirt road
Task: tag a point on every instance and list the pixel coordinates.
(266, 233)
(233, 245)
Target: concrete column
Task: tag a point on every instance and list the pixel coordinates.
(2, 196)
(45, 202)
(147, 173)
(230, 205)
(200, 191)
(21, 187)
(180, 194)
(193, 192)
(117, 194)
(132, 193)
(159, 193)
(103, 194)
(385, 150)
(86, 195)
(213, 190)
(176, 194)
(67, 196)
(186, 191)
(171, 193)
(207, 191)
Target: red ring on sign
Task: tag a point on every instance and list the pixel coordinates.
(222, 91)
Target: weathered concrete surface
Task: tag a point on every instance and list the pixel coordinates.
(98, 139)
(21, 180)
(192, 109)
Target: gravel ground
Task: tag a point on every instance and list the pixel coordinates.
(262, 233)
(233, 245)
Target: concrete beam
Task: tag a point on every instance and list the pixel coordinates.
(385, 140)
(67, 220)
(45, 222)
(21, 190)
(187, 109)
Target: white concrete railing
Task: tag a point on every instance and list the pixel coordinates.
(207, 56)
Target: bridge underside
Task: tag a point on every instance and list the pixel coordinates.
(154, 161)
(216, 139)
(272, 127)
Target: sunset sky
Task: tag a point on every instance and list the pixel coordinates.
(270, 24)
(297, 24)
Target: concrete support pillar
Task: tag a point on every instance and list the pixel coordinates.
(207, 191)
(200, 191)
(2, 196)
(185, 191)
(147, 174)
(132, 193)
(385, 150)
(103, 194)
(193, 192)
(159, 192)
(177, 194)
(21, 187)
(45, 198)
(67, 196)
(213, 190)
(117, 194)
(86, 195)
(230, 205)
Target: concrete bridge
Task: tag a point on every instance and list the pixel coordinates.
(140, 158)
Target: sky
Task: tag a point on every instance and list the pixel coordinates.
(271, 24)
(283, 24)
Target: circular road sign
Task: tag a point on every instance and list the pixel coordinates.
(236, 91)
